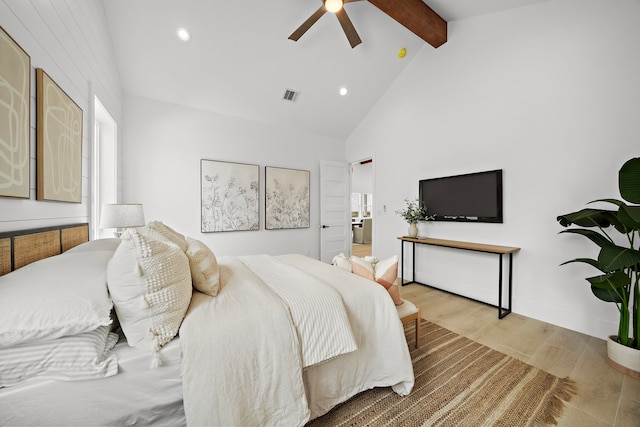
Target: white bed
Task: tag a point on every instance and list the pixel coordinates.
(238, 359)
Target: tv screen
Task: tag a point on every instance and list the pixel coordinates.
(475, 197)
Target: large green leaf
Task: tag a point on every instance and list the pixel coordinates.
(613, 257)
(616, 222)
(606, 295)
(589, 218)
(592, 235)
(629, 216)
(610, 287)
(589, 261)
(629, 180)
(612, 201)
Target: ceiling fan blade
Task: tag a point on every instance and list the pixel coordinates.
(350, 1)
(348, 28)
(307, 24)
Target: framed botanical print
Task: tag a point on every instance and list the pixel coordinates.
(15, 116)
(229, 196)
(287, 202)
(58, 142)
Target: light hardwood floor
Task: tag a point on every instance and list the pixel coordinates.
(360, 250)
(605, 397)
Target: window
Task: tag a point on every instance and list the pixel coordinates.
(355, 206)
(361, 205)
(105, 166)
(367, 204)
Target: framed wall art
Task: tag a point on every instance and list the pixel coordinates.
(229, 196)
(287, 203)
(15, 111)
(58, 143)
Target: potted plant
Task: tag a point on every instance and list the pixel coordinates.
(619, 263)
(413, 213)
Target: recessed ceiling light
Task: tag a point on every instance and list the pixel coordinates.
(343, 91)
(183, 34)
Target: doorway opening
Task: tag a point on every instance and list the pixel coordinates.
(362, 207)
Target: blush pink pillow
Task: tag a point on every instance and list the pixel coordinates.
(383, 272)
(362, 268)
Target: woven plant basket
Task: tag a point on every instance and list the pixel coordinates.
(622, 358)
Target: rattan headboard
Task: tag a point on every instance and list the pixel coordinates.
(19, 248)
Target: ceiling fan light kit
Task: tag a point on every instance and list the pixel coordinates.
(333, 5)
(183, 34)
(414, 15)
(345, 22)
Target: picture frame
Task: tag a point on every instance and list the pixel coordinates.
(15, 119)
(58, 143)
(287, 198)
(229, 196)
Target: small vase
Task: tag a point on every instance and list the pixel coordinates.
(413, 230)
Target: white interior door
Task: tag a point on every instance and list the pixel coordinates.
(335, 210)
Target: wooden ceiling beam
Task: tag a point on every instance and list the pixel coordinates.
(417, 17)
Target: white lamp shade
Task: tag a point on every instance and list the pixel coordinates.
(121, 215)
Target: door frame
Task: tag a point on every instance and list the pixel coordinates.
(373, 192)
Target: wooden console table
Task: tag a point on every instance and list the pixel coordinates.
(478, 247)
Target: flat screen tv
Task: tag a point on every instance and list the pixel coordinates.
(473, 197)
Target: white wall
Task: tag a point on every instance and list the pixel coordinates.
(164, 144)
(549, 93)
(69, 40)
(362, 178)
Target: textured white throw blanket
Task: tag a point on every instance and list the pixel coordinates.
(316, 308)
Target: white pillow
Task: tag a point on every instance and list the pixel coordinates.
(342, 261)
(204, 267)
(54, 297)
(166, 232)
(77, 357)
(387, 270)
(150, 284)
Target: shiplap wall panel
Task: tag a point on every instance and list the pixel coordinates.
(100, 65)
(70, 41)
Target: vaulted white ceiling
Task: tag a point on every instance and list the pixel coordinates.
(239, 61)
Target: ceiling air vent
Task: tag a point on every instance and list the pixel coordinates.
(291, 95)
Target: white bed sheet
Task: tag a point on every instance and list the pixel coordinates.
(136, 395)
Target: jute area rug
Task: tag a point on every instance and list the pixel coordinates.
(459, 382)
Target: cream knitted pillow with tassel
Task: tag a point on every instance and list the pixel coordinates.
(150, 283)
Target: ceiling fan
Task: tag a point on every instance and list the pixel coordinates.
(334, 6)
(415, 15)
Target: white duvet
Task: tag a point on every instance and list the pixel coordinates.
(316, 309)
(244, 352)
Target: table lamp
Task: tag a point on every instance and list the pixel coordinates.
(121, 216)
